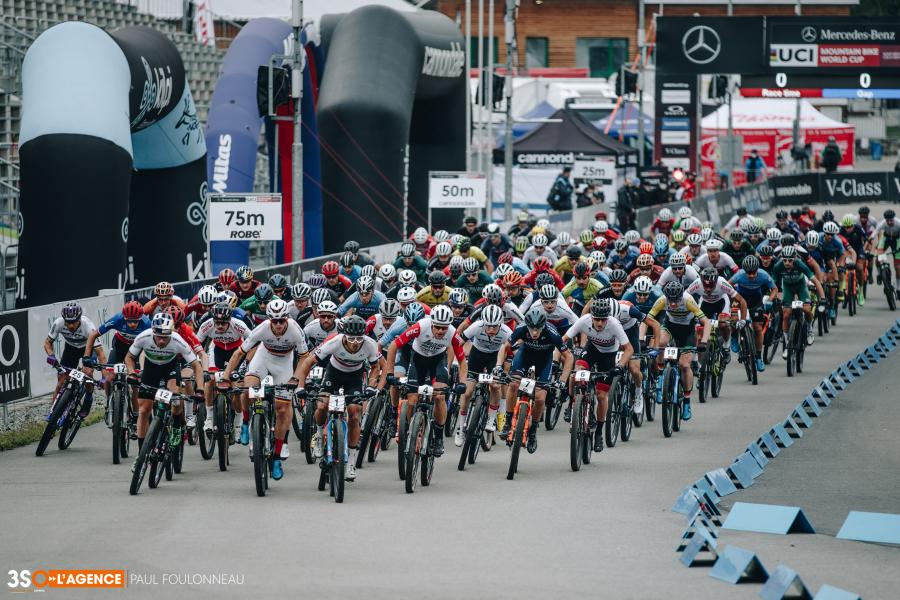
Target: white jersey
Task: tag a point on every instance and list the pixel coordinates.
(292, 339)
(720, 290)
(77, 338)
(737, 221)
(379, 329)
(530, 254)
(688, 254)
(161, 355)
(424, 341)
(725, 263)
(606, 340)
(344, 360)
(689, 277)
(316, 334)
(481, 341)
(229, 339)
(626, 318)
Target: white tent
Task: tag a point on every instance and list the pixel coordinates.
(770, 113)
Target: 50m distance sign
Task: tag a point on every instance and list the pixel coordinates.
(245, 217)
(457, 190)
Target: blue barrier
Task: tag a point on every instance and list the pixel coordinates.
(736, 565)
(758, 454)
(781, 433)
(739, 473)
(811, 408)
(792, 428)
(721, 482)
(800, 416)
(767, 518)
(782, 580)
(829, 592)
(691, 555)
(770, 445)
(871, 527)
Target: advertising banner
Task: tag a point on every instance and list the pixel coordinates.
(853, 187)
(456, 190)
(14, 360)
(676, 112)
(795, 189)
(833, 43)
(245, 217)
(710, 44)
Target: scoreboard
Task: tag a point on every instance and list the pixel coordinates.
(788, 84)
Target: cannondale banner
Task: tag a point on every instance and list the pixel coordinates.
(113, 156)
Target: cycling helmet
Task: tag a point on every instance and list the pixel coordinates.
(644, 260)
(889, 214)
(71, 312)
(221, 312)
(441, 315)
(162, 324)
(664, 215)
(319, 296)
(632, 236)
(713, 245)
(541, 263)
(365, 284)
(244, 274)
(548, 292)
(389, 308)
(330, 268)
(163, 288)
(678, 236)
(493, 293)
(620, 245)
(132, 311)
(781, 214)
(601, 308)
(278, 281)
(521, 244)
(408, 250)
(437, 278)
(831, 228)
(277, 309)
(226, 277)
(599, 257)
(458, 297)
(812, 239)
(406, 277)
(348, 260)
(684, 212)
(646, 248)
(773, 234)
(539, 241)
(600, 243)
(750, 264)
(753, 228)
(788, 252)
(788, 239)
(673, 290)
(535, 318)
(513, 278)
(705, 233)
(736, 235)
(406, 294)
(694, 239)
(505, 258)
(412, 313)
(470, 266)
(441, 235)
(544, 279)
(264, 293)
(328, 307)
(464, 245)
(618, 276)
(760, 223)
(228, 297)
(586, 236)
(176, 313)
(387, 272)
(207, 295)
(661, 247)
(443, 249)
(455, 269)
(564, 238)
(455, 239)
(573, 252)
(601, 226)
(316, 280)
(795, 212)
(581, 269)
(420, 235)
(864, 211)
(300, 291)
(643, 285)
(545, 223)
(354, 325)
(502, 269)
(848, 220)
(367, 271)
(766, 251)
(677, 260)
(352, 246)
(492, 315)
(709, 275)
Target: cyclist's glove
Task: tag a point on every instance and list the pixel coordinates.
(52, 360)
(459, 388)
(497, 372)
(88, 362)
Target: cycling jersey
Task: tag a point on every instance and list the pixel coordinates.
(474, 288)
(77, 338)
(531, 254)
(691, 223)
(682, 312)
(430, 299)
(399, 326)
(889, 234)
(736, 221)
(605, 340)
(791, 278)
(738, 254)
(725, 264)
(856, 237)
(363, 309)
(425, 343)
(548, 340)
(316, 334)
(664, 227)
(655, 273)
(229, 339)
(561, 316)
(160, 355)
(583, 295)
(475, 253)
(629, 315)
(831, 249)
(752, 289)
(417, 265)
(720, 289)
(236, 288)
(644, 306)
(343, 359)
(302, 316)
(376, 327)
(625, 262)
(511, 313)
(352, 275)
(123, 332)
(292, 339)
(493, 251)
(254, 310)
(689, 276)
(530, 279)
(481, 341)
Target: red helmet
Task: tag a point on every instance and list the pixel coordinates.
(541, 263)
(505, 258)
(226, 278)
(330, 268)
(646, 248)
(600, 243)
(176, 313)
(132, 311)
(600, 215)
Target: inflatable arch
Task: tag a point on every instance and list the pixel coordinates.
(113, 173)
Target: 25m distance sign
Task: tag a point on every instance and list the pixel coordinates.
(234, 217)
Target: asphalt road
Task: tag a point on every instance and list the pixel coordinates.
(607, 530)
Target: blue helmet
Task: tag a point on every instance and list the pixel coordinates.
(413, 313)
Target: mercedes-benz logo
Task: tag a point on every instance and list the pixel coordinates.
(808, 34)
(701, 44)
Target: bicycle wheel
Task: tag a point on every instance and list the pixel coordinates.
(452, 415)
(704, 376)
(668, 401)
(792, 347)
(650, 395)
(518, 437)
(552, 411)
(178, 456)
(470, 445)
(338, 464)
(167, 462)
(366, 428)
(221, 435)
(851, 293)
(587, 443)
(71, 425)
(307, 427)
(207, 440)
(402, 439)
(613, 412)
(717, 377)
(414, 448)
(576, 433)
(428, 460)
(260, 467)
(50, 428)
(159, 450)
(120, 441)
(627, 410)
(377, 427)
(296, 417)
(800, 345)
(140, 465)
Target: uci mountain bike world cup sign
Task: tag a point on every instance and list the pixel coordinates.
(238, 217)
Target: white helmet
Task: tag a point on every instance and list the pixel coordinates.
(277, 309)
(714, 244)
(207, 295)
(539, 240)
(812, 238)
(441, 315)
(443, 249)
(441, 235)
(643, 285)
(773, 234)
(632, 236)
(492, 315)
(831, 227)
(564, 238)
(614, 307)
(327, 307)
(544, 223)
(694, 239)
(406, 294)
(665, 214)
(420, 235)
(599, 256)
(601, 226)
(387, 272)
(406, 277)
(684, 212)
(502, 269)
(706, 233)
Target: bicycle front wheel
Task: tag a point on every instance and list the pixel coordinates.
(221, 435)
(518, 435)
(613, 412)
(576, 433)
(71, 425)
(260, 460)
(119, 431)
(338, 464)
(144, 458)
(471, 446)
(415, 446)
(668, 401)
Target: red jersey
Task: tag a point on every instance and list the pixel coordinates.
(529, 279)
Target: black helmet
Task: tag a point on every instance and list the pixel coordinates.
(352, 246)
(889, 214)
(581, 269)
(354, 325)
(750, 264)
(766, 251)
(543, 279)
(535, 318)
(795, 213)
(601, 309)
(464, 245)
(781, 214)
(673, 290)
(221, 312)
(264, 293)
(437, 278)
(709, 275)
(573, 252)
(736, 235)
(827, 216)
(618, 276)
(278, 281)
(347, 260)
(788, 239)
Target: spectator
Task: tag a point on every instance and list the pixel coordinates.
(831, 155)
(585, 196)
(627, 203)
(560, 196)
(753, 166)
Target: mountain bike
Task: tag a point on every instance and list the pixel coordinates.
(419, 446)
(886, 276)
(337, 451)
(796, 339)
(747, 348)
(303, 414)
(476, 436)
(163, 447)
(553, 404)
(649, 372)
(402, 422)
(850, 286)
(452, 402)
(620, 406)
(262, 428)
(671, 391)
(522, 421)
(65, 410)
(771, 333)
(712, 365)
(583, 419)
(119, 413)
(371, 426)
(223, 418)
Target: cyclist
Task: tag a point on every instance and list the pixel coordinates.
(459, 304)
(244, 284)
(663, 223)
(360, 258)
(347, 354)
(496, 243)
(832, 251)
(887, 235)
(324, 325)
(255, 305)
(436, 292)
(552, 305)
(76, 330)
(646, 267)
(783, 225)
(540, 266)
(857, 239)
(410, 261)
(473, 278)
(162, 349)
(487, 336)
(349, 268)
(758, 289)
(334, 281)
(538, 249)
(466, 249)
(379, 323)
(364, 302)
(163, 297)
(695, 247)
(512, 284)
(583, 287)
(565, 264)
(633, 320)
(424, 242)
(276, 340)
(226, 334)
(200, 304)
(536, 341)
(715, 295)
(300, 309)
(623, 257)
(279, 285)
(618, 280)
(440, 260)
(387, 278)
(679, 271)
(722, 263)
(791, 277)
(738, 247)
(681, 313)
(766, 257)
(225, 279)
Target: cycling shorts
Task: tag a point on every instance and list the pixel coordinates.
(71, 355)
(603, 362)
(634, 338)
(281, 368)
(158, 376)
(681, 335)
(481, 362)
(712, 310)
(335, 379)
(789, 294)
(542, 363)
(118, 352)
(221, 357)
(423, 368)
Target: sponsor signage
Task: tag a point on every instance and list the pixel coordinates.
(450, 189)
(676, 112)
(234, 217)
(852, 187)
(833, 43)
(653, 176)
(539, 159)
(589, 170)
(710, 44)
(14, 375)
(893, 185)
(798, 189)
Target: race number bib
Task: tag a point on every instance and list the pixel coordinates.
(164, 396)
(527, 386)
(671, 353)
(485, 378)
(336, 403)
(797, 304)
(582, 376)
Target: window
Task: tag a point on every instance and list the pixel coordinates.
(602, 56)
(474, 53)
(536, 52)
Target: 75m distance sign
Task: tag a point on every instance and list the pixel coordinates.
(235, 217)
(450, 189)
